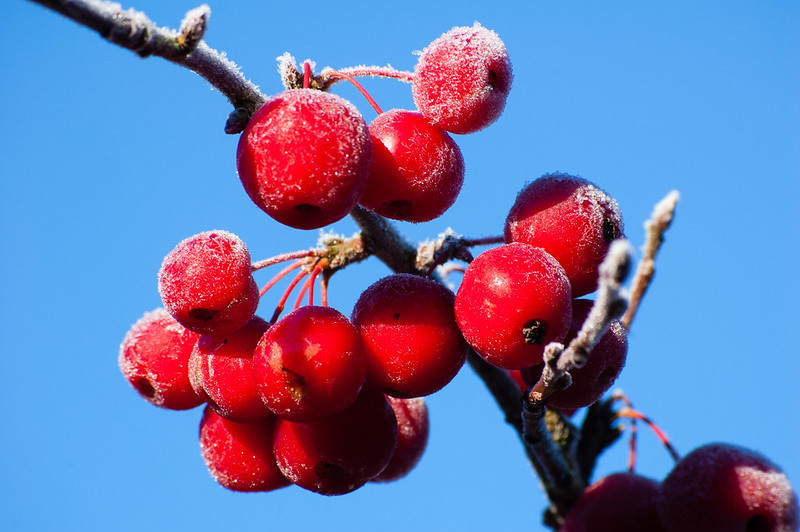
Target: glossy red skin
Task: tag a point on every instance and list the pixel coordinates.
(154, 358)
(572, 220)
(417, 169)
(605, 363)
(462, 79)
(221, 371)
(413, 427)
(309, 364)
(304, 158)
(207, 285)
(411, 341)
(239, 455)
(726, 488)
(502, 291)
(337, 454)
(621, 502)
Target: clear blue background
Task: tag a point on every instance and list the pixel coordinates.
(108, 160)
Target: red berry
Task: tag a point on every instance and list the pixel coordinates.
(154, 358)
(513, 301)
(206, 283)
(309, 364)
(462, 79)
(221, 371)
(417, 169)
(572, 220)
(413, 427)
(622, 502)
(337, 454)
(412, 344)
(239, 455)
(304, 158)
(726, 488)
(605, 363)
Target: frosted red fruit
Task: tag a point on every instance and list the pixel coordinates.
(337, 454)
(304, 158)
(725, 488)
(572, 220)
(513, 300)
(462, 79)
(221, 371)
(309, 364)
(605, 363)
(411, 341)
(154, 358)
(417, 168)
(239, 455)
(621, 502)
(413, 427)
(207, 285)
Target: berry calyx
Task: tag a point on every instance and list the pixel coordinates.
(154, 358)
(206, 283)
(462, 79)
(513, 300)
(239, 456)
(304, 158)
(417, 169)
(412, 344)
(720, 487)
(309, 364)
(572, 220)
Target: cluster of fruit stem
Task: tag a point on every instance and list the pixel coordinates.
(564, 478)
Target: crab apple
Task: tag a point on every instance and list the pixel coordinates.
(513, 300)
(605, 363)
(221, 371)
(417, 168)
(413, 427)
(621, 502)
(206, 283)
(339, 453)
(309, 364)
(154, 358)
(726, 488)
(239, 456)
(462, 79)
(571, 219)
(304, 158)
(411, 341)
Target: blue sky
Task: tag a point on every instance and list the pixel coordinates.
(108, 160)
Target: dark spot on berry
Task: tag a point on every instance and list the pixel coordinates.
(202, 314)
(396, 316)
(535, 331)
(399, 208)
(606, 376)
(307, 209)
(144, 387)
(298, 388)
(609, 230)
(758, 523)
(325, 470)
(492, 79)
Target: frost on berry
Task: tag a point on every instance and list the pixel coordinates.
(304, 158)
(309, 364)
(207, 285)
(417, 169)
(154, 358)
(221, 372)
(571, 219)
(411, 340)
(513, 300)
(722, 488)
(239, 456)
(621, 502)
(462, 79)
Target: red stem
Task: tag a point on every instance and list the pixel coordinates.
(282, 258)
(358, 86)
(286, 294)
(281, 274)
